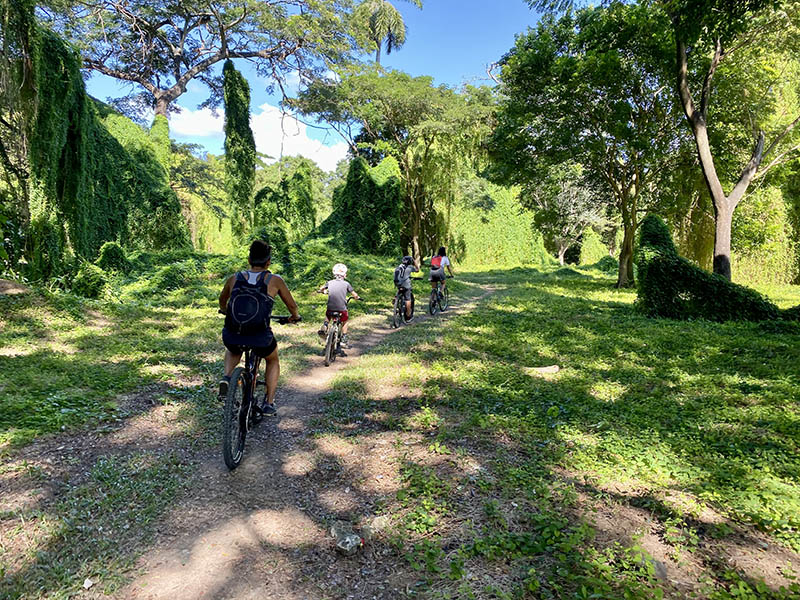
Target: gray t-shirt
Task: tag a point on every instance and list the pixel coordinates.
(337, 294)
(405, 276)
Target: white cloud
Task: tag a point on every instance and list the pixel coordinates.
(197, 123)
(276, 134)
(279, 134)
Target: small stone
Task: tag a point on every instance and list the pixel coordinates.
(87, 583)
(763, 545)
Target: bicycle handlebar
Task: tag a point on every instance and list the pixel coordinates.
(284, 319)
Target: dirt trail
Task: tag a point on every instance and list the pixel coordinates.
(261, 530)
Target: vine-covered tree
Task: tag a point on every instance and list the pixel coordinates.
(384, 24)
(161, 45)
(431, 132)
(240, 150)
(591, 87)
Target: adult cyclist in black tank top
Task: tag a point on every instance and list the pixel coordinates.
(263, 342)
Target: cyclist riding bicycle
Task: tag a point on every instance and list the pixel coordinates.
(247, 300)
(402, 280)
(438, 263)
(337, 288)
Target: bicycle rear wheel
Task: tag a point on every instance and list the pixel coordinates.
(330, 345)
(432, 302)
(234, 424)
(444, 300)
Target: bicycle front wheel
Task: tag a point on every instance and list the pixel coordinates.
(444, 300)
(396, 312)
(234, 424)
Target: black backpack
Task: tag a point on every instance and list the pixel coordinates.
(399, 275)
(249, 306)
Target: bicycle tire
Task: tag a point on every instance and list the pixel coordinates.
(234, 424)
(434, 299)
(444, 301)
(330, 349)
(396, 312)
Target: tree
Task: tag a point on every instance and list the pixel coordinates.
(432, 132)
(240, 150)
(162, 45)
(384, 24)
(565, 205)
(590, 87)
(725, 30)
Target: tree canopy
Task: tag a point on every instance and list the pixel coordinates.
(159, 47)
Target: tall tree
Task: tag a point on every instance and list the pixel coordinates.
(384, 24)
(162, 45)
(240, 150)
(590, 87)
(723, 30)
(431, 131)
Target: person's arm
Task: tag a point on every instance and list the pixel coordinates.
(323, 288)
(353, 293)
(226, 293)
(450, 268)
(414, 268)
(288, 300)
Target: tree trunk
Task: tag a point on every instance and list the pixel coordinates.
(723, 216)
(162, 103)
(625, 273)
(378, 55)
(562, 250)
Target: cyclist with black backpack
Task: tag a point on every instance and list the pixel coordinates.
(402, 281)
(247, 300)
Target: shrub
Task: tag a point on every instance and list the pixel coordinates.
(90, 281)
(112, 258)
(177, 275)
(607, 264)
(671, 286)
(592, 248)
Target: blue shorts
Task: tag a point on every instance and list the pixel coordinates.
(263, 344)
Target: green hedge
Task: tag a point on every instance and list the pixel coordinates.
(112, 258)
(90, 281)
(671, 286)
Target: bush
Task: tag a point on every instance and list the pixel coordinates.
(592, 248)
(177, 275)
(112, 258)
(607, 264)
(90, 281)
(671, 286)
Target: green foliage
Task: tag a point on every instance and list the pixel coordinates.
(761, 239)
(240, 149)
(367, 209)
(593, 249)
(177, 275)
(90, 281)
(112, 258)
(94, 175)
(670, 286)
(434, 133)
(159, 135)
(489, 227)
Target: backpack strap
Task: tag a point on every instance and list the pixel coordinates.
(240, 276)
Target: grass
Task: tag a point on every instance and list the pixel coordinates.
(502, 470)
(693, 423)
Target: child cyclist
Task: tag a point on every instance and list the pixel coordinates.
(337, 289)
(402, 281)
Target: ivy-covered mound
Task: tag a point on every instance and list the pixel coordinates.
(671, 286)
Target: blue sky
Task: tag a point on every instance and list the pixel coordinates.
(451, 40)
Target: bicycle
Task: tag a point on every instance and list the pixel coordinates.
(334, 338)
(439, 298)
(399, 307)
(239, 415)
